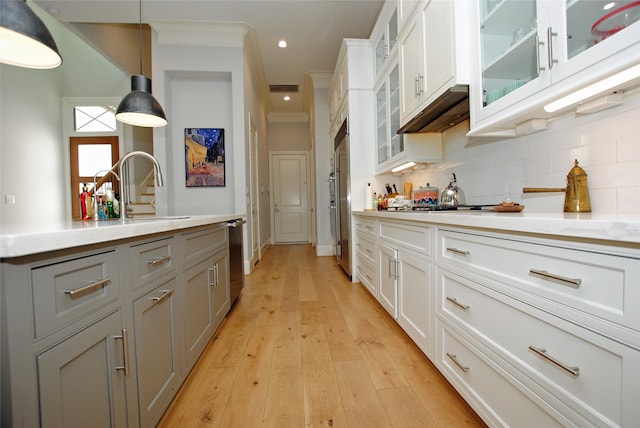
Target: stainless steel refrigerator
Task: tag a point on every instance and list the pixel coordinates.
(343, 198)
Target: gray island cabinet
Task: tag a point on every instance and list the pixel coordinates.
(104, 334)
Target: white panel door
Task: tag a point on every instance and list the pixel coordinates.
(290, 198)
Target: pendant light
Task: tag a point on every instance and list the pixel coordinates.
(24, 39)
(139, 107)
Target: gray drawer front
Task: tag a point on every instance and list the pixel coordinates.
(152, 260)
(203, 243)
(70, 289)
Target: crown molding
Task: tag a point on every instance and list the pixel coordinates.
(201, 33)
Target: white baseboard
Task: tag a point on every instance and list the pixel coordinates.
(324, 250)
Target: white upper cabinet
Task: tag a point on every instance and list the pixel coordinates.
(529, 53)
(432, 51)
(385, 42)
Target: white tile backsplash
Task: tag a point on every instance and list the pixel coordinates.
(606, 144)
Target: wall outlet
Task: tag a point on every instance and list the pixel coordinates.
(9, 199)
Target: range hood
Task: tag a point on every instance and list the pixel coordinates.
(449, 109)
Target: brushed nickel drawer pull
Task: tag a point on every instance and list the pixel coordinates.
(165, 294)
(571, 282)
(394, 263)
(125, 352)
(93, 284)
(454, 358)
(460, 305)
(573, 371)
(211, 276)
(459, 252)
(159, 260)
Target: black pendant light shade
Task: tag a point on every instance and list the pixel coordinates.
(24, 39)
(139, 107)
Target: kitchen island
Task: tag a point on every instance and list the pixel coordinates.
(102, 321)
(530, 316)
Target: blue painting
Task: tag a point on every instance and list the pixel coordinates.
(204, 157)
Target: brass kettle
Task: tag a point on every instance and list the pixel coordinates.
(576, 198)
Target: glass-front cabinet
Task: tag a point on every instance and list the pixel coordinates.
(530, 52)
(389, 142)
(509, 46)
(387, 41)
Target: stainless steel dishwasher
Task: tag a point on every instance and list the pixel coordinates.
(236, 258)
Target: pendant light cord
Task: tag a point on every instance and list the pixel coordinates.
(140, 31)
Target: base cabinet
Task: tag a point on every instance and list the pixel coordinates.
(81, 381)
(531, 331)
(498, 398)
(405, 279)
(93, 337)
(414, 298)
(388, 278)
(156, 354)
(206, 294)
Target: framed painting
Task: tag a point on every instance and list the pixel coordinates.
(204, 157)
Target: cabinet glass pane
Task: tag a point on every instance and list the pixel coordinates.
(592, 21)
(380, 53)
(509, 43)
(381, 123)
(393, 30)
(397, 145)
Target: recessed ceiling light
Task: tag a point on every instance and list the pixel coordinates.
(283, 43)
(286, 98)
(608, 5)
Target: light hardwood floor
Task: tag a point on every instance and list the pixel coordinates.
(304, 347)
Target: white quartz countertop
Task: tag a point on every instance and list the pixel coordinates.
(621, 228)
(26, 239)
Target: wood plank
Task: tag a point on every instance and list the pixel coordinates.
(381, 366)
(248, 397)
(361, 402)
(315, 348)
(285, 399)
(322, 403)
(310, 312)
(287, 350)
(227, 348)
(404, 409)
(210, 399)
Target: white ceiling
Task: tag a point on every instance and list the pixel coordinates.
(313, 28)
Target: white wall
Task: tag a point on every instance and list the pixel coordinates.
(288, 136)
(606, 144)
(199, 86)
(257, 114)
(322, 151)
(33, 148)
(203, 102)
